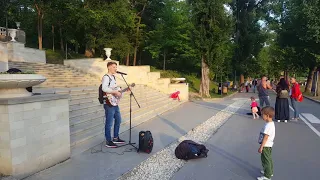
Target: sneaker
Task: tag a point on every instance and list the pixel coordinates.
(118, 141)
(263, 178)
(111, 145)
(262, 172)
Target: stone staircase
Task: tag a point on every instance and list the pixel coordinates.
(86, 114)
(58, 76)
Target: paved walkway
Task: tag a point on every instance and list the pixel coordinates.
(166, 128)
(233, 149)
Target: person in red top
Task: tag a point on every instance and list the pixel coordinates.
(295, 96)
(254, 108)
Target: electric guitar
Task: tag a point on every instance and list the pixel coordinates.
(113, 100)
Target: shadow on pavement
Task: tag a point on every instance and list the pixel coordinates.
(252, 170)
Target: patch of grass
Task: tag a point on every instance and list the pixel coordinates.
(309, 94)
(57, 57)
(193, 80)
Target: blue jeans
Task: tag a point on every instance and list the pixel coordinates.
(294, 106)
(264, 99)
(112, 113)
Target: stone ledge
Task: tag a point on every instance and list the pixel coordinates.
(312, 99)
(34, 98)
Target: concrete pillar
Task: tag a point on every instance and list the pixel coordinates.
(3, 57)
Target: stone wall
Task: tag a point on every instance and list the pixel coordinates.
(34, 133)
(17, 52)
(3, 57)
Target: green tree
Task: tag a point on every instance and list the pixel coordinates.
(249, 36)
(171, 36)
(212, 32)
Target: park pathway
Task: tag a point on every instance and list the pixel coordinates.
(233, 147)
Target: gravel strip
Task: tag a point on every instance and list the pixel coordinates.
(164, 164)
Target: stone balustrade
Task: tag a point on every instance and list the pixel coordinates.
(18, 34)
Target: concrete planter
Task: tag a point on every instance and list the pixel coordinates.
(14, 85)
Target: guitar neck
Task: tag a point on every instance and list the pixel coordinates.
(124, 90)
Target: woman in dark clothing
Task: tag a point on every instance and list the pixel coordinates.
(282, 102)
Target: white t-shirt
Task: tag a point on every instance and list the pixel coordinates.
(105, 83)
(269, 129)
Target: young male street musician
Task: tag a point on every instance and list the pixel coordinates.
(112, 112)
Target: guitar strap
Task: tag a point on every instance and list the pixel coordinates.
(110, 79)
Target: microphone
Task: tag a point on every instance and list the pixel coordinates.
(121, 73)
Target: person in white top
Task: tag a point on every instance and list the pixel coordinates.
(112, 113)
(246, 84)
(266, 138)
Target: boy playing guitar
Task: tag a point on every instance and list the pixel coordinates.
(112, 111)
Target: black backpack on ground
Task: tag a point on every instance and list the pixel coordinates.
(145, 142)
(101, 93)
(188, 149)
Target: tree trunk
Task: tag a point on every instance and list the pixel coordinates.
(137, 42)
(61, 39)
(135, 54)
(318, 84)
(89, 52)
(139, 16)
(164, 60)
(241, 79)
(140, 54)
(310, 79)
(286, 75)
(128, 59)
(40, 22)
(205, 81)
(53, 38)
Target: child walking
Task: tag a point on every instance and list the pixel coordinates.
(266, 138)
(254, 108)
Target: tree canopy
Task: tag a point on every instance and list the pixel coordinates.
(208, 38)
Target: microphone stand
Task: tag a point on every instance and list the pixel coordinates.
(131, 95)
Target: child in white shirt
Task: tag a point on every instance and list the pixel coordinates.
(266, 138)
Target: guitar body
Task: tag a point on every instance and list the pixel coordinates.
(112, 100)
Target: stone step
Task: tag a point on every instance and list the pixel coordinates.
(71, 91)
(98, 121)
(136, 120)
(87, 117)
(66, 85)
(51, 82)
(59, 76)
(93, 96)
(95, 107)
(88, 81)
(125, 110)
